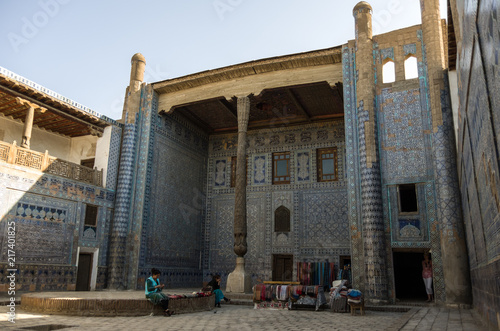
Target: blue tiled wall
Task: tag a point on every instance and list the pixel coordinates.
(478, 153)
(48, 213)
(172, 237)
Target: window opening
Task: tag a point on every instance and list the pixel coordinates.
(388, 71)
(327, 164)
(408, 198)
(282, 219)
(91, 215)
(411, 67)
(281, 168)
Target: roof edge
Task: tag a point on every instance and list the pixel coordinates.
(9, 78)
(325, 56)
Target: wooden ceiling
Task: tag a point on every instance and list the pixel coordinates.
(289, 105)
(452, 42)
(50, 113)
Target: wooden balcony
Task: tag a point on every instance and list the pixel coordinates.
(16, 155)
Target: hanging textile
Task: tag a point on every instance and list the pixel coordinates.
(316, 273)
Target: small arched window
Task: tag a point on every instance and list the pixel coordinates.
(388, 71)
(411, 67)
(282, 219)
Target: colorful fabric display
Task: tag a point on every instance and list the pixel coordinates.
(316, 273)
(336, 288)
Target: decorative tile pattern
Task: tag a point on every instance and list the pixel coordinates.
(173, 242)
(42, 277)
(41, 212)
(264, 198)
(114, 157)
(47, 212)
(410, 228)
(259, 169)
(387, 53)
(324, 219)
(353, 173)
(119, 230)
(303, 166)
(220, 173)
(404, 154)
(410, 49)
(47, 226)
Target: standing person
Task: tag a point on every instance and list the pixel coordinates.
(427, 276)
(215, 284)
(153, 291)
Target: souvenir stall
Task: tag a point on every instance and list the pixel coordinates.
(289, 296)
(343, 298)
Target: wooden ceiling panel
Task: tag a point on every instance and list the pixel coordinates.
(321, 100)
(211, 115)
(272, 108)
(57, 116)
(48, 120)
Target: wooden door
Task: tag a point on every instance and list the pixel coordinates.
(282, 267)
(84, 272)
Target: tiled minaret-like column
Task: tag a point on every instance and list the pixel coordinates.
(449, 208)
(118, 262)
(239, 281)
(375, 269)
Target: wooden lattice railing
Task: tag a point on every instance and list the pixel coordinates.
(13, 154)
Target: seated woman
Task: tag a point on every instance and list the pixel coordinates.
(153, 291)
(215, 284)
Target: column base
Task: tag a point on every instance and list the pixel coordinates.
(239, 281)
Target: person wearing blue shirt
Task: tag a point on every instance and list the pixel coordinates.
(153, 291)
(215, 284)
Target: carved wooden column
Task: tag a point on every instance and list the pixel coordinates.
(28, 120)
(238, 281)
(240, 194)
(28, 127)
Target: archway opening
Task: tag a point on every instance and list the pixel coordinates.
(408, 275)
(388, 71)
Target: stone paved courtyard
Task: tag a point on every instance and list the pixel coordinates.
(239, 317)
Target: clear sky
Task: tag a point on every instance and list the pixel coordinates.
(82, 48)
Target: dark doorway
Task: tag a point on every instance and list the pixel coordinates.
(84, 272)
(345, 267)
(344, 260)
(282, 267)
(408, 276)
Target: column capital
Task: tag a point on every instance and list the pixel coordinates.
(29, 104)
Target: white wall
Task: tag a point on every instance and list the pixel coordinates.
(66, 148)
(452, 77)
(41, 140)
(82, 148)
(102, 152)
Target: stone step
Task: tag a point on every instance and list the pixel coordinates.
(242, 296)
(109, 303)
(389, 308)
(241, 302)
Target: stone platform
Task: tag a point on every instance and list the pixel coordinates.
(111, 303)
